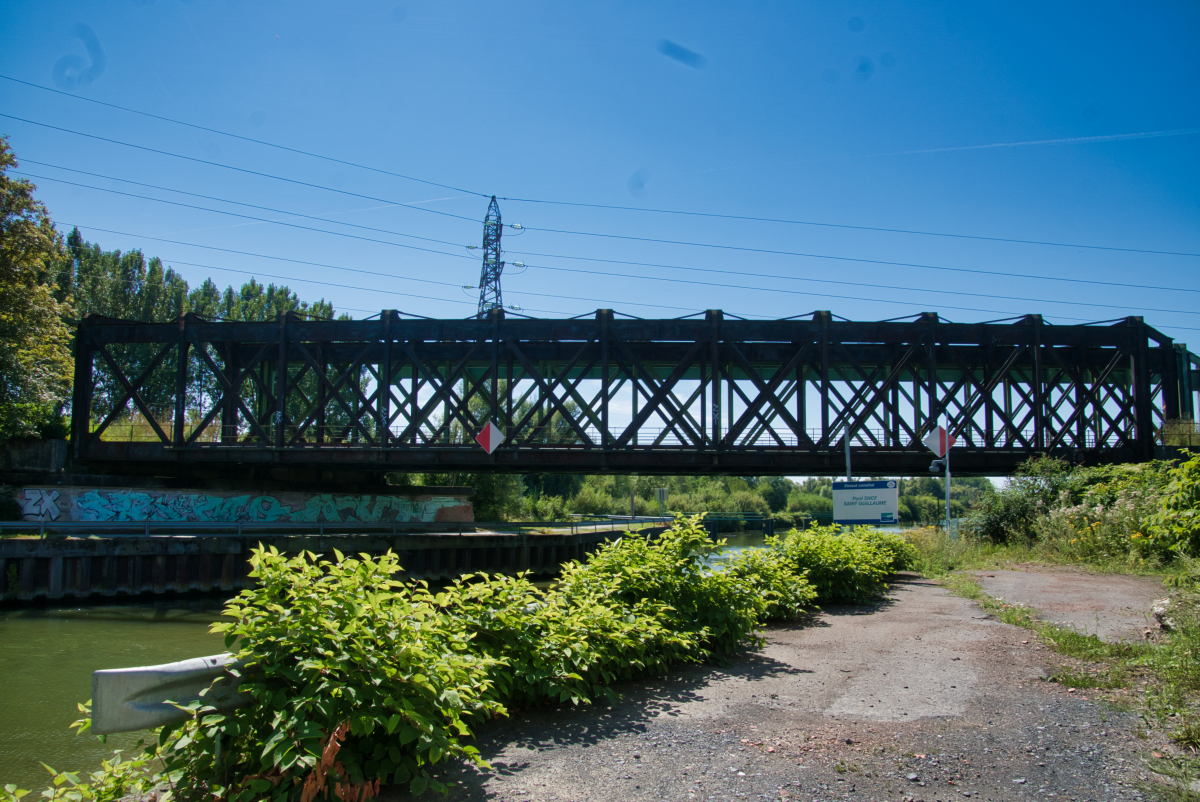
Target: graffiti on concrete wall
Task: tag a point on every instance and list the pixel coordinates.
(39, 504)
(90, 504)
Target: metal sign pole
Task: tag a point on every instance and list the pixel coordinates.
(949, 531)
(847, 454)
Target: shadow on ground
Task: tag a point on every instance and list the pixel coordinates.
(651, 698)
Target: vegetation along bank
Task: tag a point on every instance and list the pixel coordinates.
(361, 681)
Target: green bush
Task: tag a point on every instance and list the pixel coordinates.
(800, 501)
(784, 521)
(554, 647)
(901, 552)
(360, 680)
(746, 501)
(710, 611)
(1178, 519)
(339, 657)
(545, 508)
(593, 501)
(843, 568)
(775, 579)
(1004, 516)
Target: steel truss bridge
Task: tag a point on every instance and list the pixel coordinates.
(706, 394)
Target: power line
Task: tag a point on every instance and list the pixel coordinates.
(719, 246)
(677, 212)
(237, 169)
(245, 138)
(847, 226)
(237, 203)
(170, 261)
(688, 281)
(878, 286)
(640, 264)
(247, 217)
(863, 261)
(546, 295)
(428, 297)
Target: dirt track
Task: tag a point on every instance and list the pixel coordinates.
(923, 698)
(1110, 606)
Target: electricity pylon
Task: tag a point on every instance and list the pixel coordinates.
(489, 278)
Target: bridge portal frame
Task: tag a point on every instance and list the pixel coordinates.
(710, 394)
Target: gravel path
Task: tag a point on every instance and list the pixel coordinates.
(1108, 605)
(921, 698)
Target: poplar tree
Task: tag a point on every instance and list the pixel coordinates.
(35, 342)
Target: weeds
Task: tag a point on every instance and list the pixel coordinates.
(1107, 680)
(1170, 667)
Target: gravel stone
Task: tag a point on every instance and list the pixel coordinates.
(851, 706)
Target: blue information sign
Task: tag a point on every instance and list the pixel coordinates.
(875, 503)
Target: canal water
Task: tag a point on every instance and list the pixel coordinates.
(47, 656)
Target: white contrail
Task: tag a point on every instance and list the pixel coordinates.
(1075, 140)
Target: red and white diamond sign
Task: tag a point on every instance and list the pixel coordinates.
(939, 441)
(490, 438)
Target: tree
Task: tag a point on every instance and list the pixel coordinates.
(35, 350)
(775, 490)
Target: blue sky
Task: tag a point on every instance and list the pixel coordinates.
(878, 115)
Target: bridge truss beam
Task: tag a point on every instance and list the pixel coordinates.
(588, 395)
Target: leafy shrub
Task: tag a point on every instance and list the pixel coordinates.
(340, 659)
(1178, 520)
(710, 611)
(902, 553)
(551, 647)
(360, 680)
(593, 501)
(774, 578)
(843, 568)
(1004, 516)
(790, 520)
(545, 508)
(925, 509)
(800, 501)
(116, 779)
(746, 501)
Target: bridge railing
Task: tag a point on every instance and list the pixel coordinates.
(1175, 433)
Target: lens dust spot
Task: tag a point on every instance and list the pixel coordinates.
(679, 53)
(865, 69)
(1092, 112)
(74, 71)
(857, 24)
(637, 182)
(257, 118)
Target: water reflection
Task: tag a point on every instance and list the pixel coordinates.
(47, 660)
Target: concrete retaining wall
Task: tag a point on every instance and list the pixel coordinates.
(70, 503)
(77, 568)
